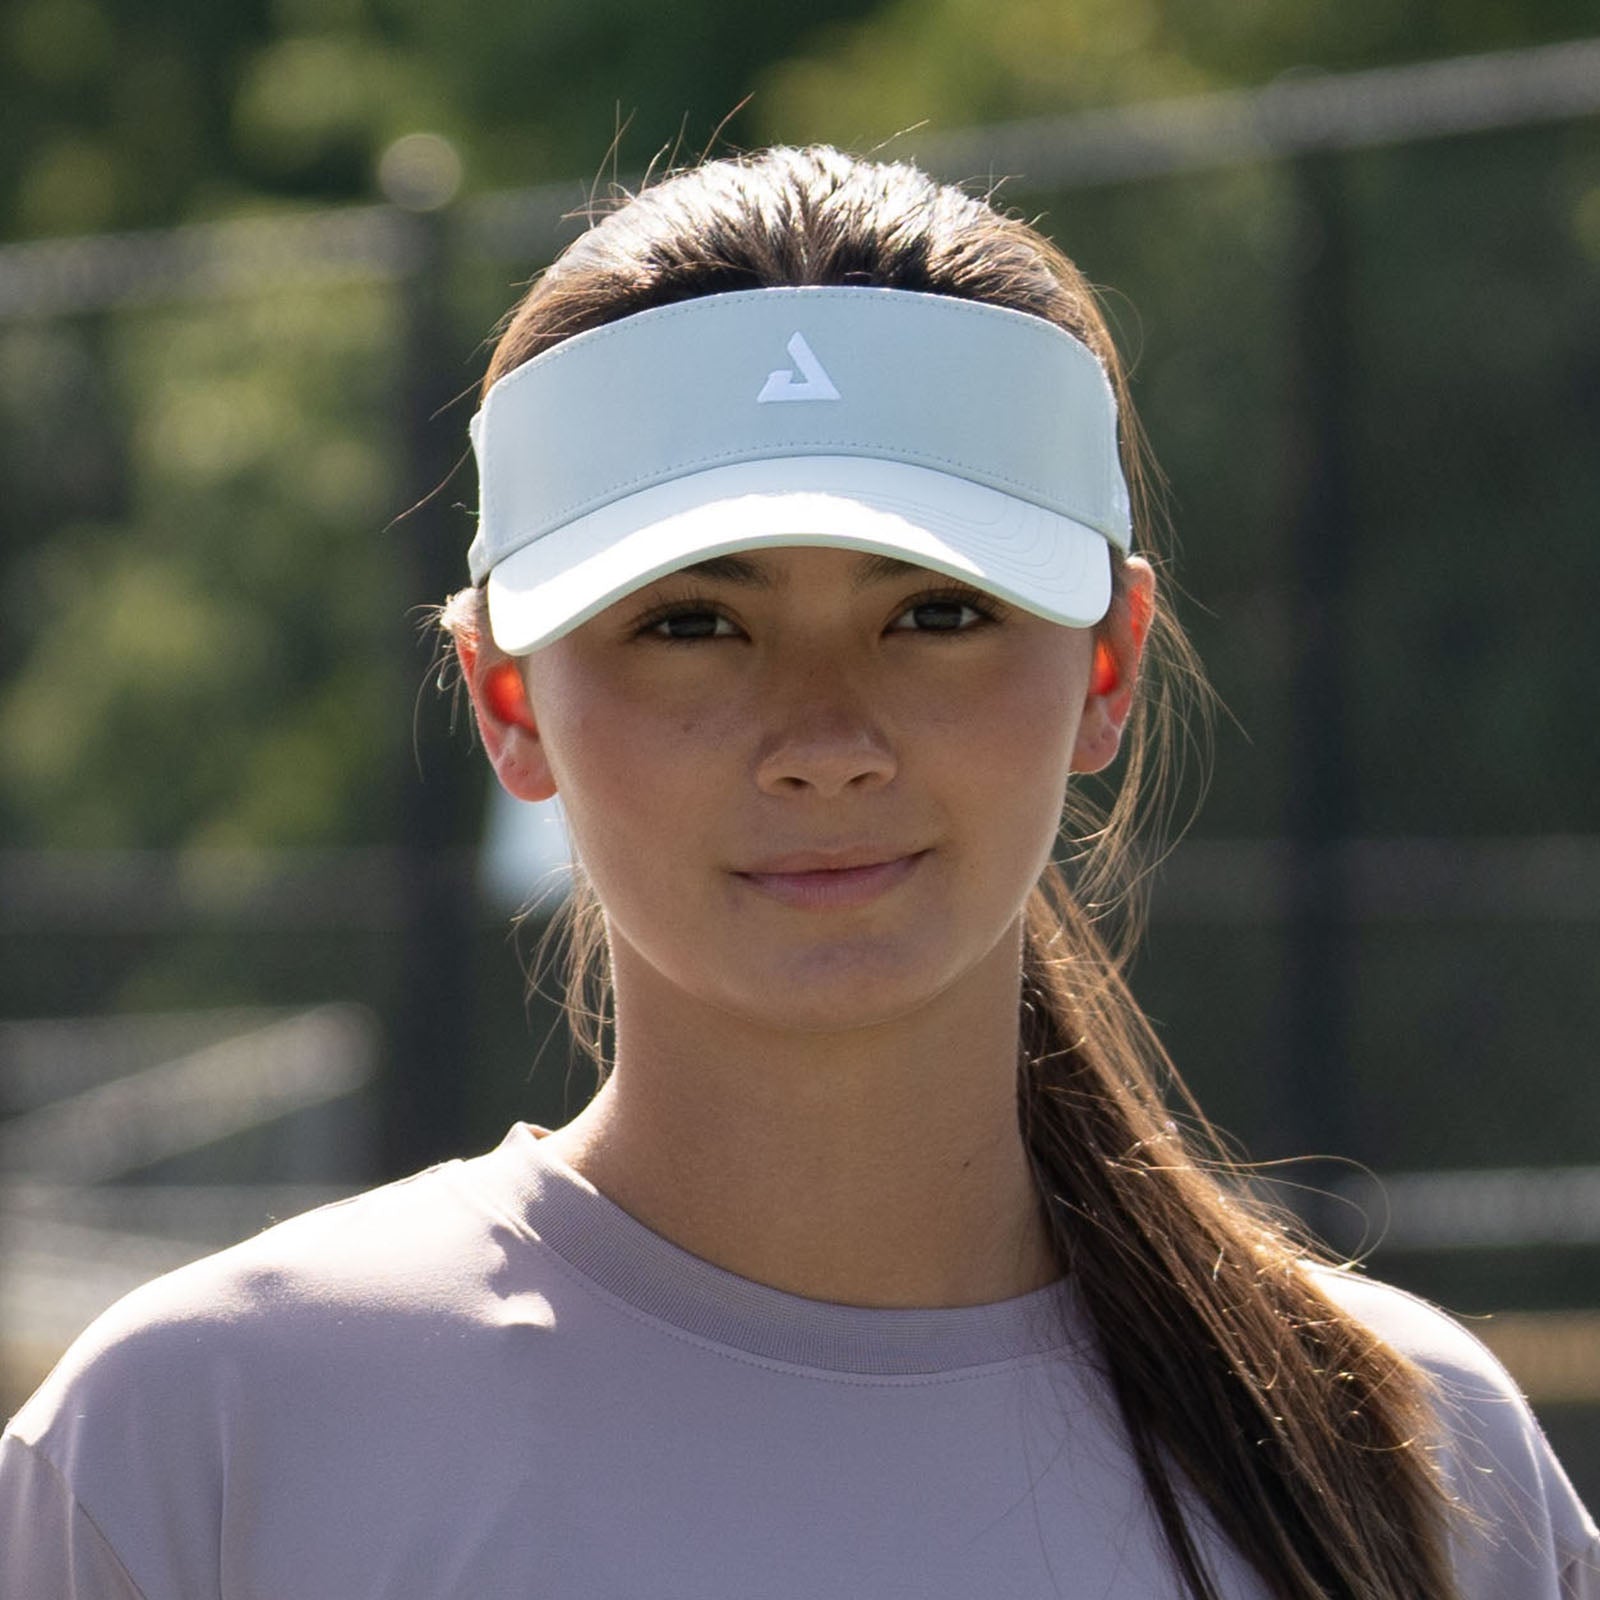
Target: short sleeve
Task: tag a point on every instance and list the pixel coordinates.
(1580, 1578)
(48, 1543)
(1522, 1529)
(111, 1472)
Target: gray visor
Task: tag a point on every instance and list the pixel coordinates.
(963, 437)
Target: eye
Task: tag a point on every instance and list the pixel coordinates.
(956, 611)
(687, 622)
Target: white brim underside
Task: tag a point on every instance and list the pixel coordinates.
(1044, 562)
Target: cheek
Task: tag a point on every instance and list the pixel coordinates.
(632, 776)
(1027, 715)
(1018, 747)
(599, 761)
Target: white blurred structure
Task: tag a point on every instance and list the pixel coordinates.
(137, 1143)
(527, 854)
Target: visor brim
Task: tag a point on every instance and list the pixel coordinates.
(1046, 563)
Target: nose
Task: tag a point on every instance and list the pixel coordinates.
(824, 740)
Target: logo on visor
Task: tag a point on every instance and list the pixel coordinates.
(812, 382)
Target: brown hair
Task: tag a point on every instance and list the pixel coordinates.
(1295, 1427)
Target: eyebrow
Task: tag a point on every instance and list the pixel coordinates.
(871, 569)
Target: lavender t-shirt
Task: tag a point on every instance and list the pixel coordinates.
(489, 1382)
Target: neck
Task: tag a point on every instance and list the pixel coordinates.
(881, 1166)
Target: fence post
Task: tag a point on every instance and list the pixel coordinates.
(1315, 1033)
(424, 1093)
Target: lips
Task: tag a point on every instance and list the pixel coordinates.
(824, 880)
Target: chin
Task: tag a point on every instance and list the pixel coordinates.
(845, 992)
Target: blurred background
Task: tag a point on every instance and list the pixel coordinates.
(256, 946)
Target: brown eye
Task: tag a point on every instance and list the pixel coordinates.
(943, 613)
(688, 623)
(943, 616)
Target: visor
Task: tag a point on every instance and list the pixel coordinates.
(962, 437)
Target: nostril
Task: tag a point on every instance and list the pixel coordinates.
(826, 766)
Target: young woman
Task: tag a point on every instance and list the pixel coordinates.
(877, 1266)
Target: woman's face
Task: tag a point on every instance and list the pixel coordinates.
(811, 787)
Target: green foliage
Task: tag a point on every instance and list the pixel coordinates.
(216, 666)
(961, 63)
(122, 114)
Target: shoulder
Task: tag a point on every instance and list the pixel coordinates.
(1522, 1517)
(411, 1250)
(261, 1383)
(287, 1394)
(1422, 1332)
(1483, 1421)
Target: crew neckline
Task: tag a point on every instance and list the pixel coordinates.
(555, 1206)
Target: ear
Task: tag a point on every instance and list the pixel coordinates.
(505, 718)
(1118, 649)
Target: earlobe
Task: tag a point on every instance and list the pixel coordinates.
(506, 722)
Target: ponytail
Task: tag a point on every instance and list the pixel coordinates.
(1235, 1375)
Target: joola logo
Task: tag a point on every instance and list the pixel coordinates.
(813, 382)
